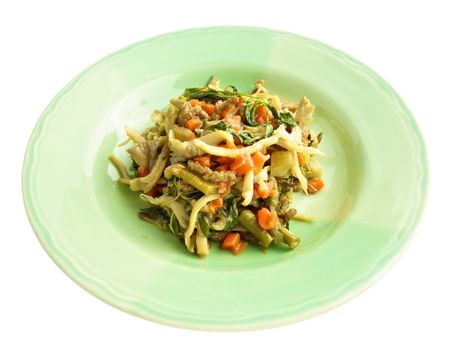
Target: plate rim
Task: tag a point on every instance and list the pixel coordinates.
(392, 257)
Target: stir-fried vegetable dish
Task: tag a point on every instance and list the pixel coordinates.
(221, 166)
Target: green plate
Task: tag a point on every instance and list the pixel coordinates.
(375, 170)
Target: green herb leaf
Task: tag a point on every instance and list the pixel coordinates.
(204, 225)
(231, 88)
(157, 212)
(250, 106)
(207, 94)
(173, 225)
(232, 213)
(286, 118)
(244, 137)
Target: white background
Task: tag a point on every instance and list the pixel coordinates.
(44, 44)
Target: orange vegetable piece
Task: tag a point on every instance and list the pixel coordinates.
(215, 204)
(300, 158)
(233, 121)
(315, 185)
(265, 191)
(266, 219)
(230, 241)
(193, 123)
(239, 247)
(203, 160)
(225, 160)
(261, 111)
(259, 160)
(195, 103)
(242, 164)
(142, 171)
(239, 102)
(209, 108)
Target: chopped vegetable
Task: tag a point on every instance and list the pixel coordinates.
(230, 241)
(204, 161)
(315, 186)
(142, 171)
(208, 108)
(193, 123)
(248, 220)
(259, 160)
(266, 219)
(281, 163)
(242, 164)
(239, 247)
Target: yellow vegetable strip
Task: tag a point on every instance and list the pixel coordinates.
(301, 217)
(248, 187)
(235, 152)
(193, 217)
(119, 166)
(135, 136)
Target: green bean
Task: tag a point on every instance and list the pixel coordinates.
(194, 180)
(289, 238)
(277, 235)
(248, 220)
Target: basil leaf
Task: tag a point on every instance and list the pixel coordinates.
(250, 108)
(207, 94)
(286, 118)
(173, 225)
(203, 224)
(232, 213)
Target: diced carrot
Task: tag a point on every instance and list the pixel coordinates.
(239, 247)
(209, 108)
(266, 219)
(142, 171)
(242, 164)
(259, 160)
(217, 203)
(261, 114)
(230, 241)
(193, 123)
(265, 191)
(301, 158)
(195, 103)
(225, 160)
(261, 111)
(203, 160)
(239, 102)
(315, 185)
(273, 189)
(260, 191)
(233, 121)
